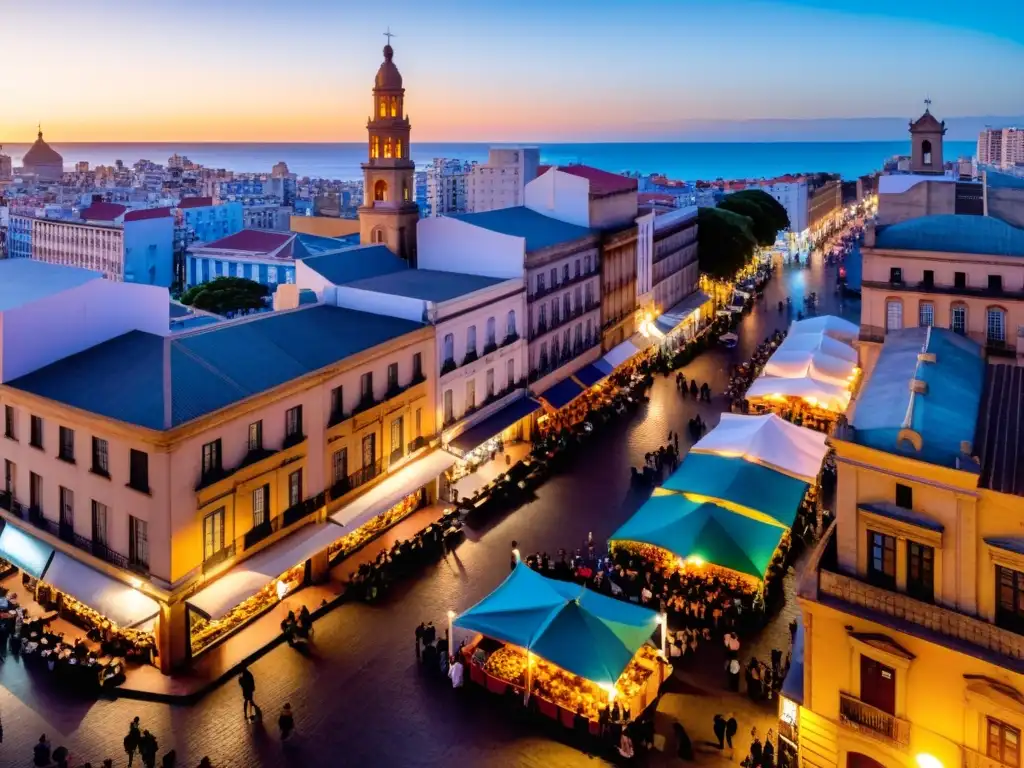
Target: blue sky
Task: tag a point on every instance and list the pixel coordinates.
(550, 70)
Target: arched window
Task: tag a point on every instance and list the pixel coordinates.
(394, 106)
(375, 146)
(449, 347)
(995, 325)
(377, 235)
(383, 106)
(893, 315)
(398, 148)
(510, 327)
(926, 152)
(388, 147)
(405, 191)
(380, 191)
(491, 332)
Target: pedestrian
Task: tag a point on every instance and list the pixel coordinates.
(684, 748)
(248, 685)
(719, 728)
(305, 623)
(515, 557)
(419, 638)
(61, 756)
(731, 726)
(108, 763)
(734, 675)
(756, 750)
(768, 752)
(205, 763)
(170, 758)
(131, 741)
(147, 749)
(776, 663)
(41, 752)
(286, 722)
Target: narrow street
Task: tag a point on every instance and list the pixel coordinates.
(358, 696)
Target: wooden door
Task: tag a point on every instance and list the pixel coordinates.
(878, 685)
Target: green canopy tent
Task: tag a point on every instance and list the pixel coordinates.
(740, 482)
(579, 630)
(692, 529)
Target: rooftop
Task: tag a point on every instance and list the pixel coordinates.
(195, 202)
(148, 213)
(160, 383)
(949, 233)
(251, 241)
(316, 245)
(23, 281)
(999, 440)
(944, 415)
(602, 183)
(426, 284)
(538, 230)
(103, 212)
(358, 263)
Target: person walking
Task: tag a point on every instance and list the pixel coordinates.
(41, 752)
(719, 728)
(248, 685)
(131, 741)
(286, 722)
(515, 556)
(731, 726)
(420, 631)
(147, 749)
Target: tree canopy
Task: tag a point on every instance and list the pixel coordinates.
(725, 242)
(777, 211)
(226, 294)
(762, 222)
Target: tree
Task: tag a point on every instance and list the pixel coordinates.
(762, 222)
(226, 294)
(780, 219)
(725, 242)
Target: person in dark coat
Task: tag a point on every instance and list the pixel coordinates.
(731, 726)
(248, 685)
(756, 752)
(286, 722)
(41, 752)
(148, 749)
(419, 637)
(719, 727)
(684, 748)
(131, 741)
(768, 752)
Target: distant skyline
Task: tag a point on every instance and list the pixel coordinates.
(532, 70)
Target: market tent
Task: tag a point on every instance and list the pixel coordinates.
(793, 364)
(561, 394)
(675, 316)
(395, 487)
(590, 375)
(768, 440)
(830, 325)
(736, 481)
(693, 529)
(25, 551)
(619, 354)
(250, 576)
(819, 343)
(497, 422)
(579, 630)
(122, 604)
(832, 397)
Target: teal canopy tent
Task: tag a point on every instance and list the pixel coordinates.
(694, 529)
(582, 632)
(740, 482)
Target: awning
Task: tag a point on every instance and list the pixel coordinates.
(497, 422)
(122, 604)
(620, 354)
(392, 490)
(562, 393)
(670, 319)
(25, 551)
(767, 440)
(590, 374)
(250, 576)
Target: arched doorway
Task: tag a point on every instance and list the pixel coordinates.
(377, 235)
(380, 191)
(859, 760)
(926, 152)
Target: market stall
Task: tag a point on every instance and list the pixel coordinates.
(799, 400)
(819, 342)
(559, 395)
(564, 645)
(829, 325)
(798, 364)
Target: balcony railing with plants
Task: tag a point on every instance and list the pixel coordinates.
(491, 346)
(293, 439)
(448, 366)
(471, 356)
(416, 444)
(510, 338)
(872, 721)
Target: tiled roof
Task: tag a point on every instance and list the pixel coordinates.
(999, 440)
(195, 202)
(426, 284)
(601, 182)
(251, 240)
(126, 378)
(538, 230)
(103, 211)
(148, 213)
(359, 263)
(542, 169)
(949, 233)
(23, 281)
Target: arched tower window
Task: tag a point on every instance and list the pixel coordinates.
(394, 106)
(377, 235)
(388, 147)
(398, 148)
(383, 106)
(375, 146)
(926, 152)
(380, 191)
(405, 191)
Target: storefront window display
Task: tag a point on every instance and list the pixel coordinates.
(374, 527)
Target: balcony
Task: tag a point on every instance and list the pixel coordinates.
(448, 366)
(293, 439)
(396, 456)
(336, 417)
(367, 402)
(491, 346)
(510, 338)
(1001, 348)
(871, 721)
(416, 444)
(224, 553)
(975, 759)
(259, 532)
(946, 290)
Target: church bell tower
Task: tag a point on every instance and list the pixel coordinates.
(389, 213)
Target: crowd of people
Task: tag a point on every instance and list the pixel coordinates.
(742, 375)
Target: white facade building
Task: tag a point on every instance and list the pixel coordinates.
(275, 217)
(446, 186)
(793, 196)
(645, 261)
(501, 181)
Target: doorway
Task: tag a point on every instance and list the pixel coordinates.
(878, 685)
(857, 760)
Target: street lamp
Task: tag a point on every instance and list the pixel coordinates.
(451, 633)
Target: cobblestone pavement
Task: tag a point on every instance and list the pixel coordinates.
(358, 696)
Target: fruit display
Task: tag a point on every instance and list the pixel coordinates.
(372, 528)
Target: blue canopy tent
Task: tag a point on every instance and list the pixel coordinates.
(579, 630)
(561, 394)
(704, 530)
(740, 482)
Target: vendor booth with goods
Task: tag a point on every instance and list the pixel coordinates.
(69, 618)
(564, 647)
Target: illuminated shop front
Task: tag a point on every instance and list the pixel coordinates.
(481, 442)
(680, 324)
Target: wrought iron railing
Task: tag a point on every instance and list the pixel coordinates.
(872, 721)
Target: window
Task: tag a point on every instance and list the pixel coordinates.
(882, 560)
(586, 263)
(100, 457)
(449, 412)
(510, 367)
(995, 325)
(138, 542)
(67, 508)
(211, 457)
(578, 335)
(995, 283)
(470, 394)
(138, 470)
(540, 283)
(904, 496)
(492, 332)
(554, 347)
(920, 571)
(554, 312)
(958, 319)
(66, 449)
(490, 383)
(337, 404)
(213, 533)
(449, 348)
(9, 429)
(393, 377)
(576, 272)
(554, 277)
(339, 466)
(295, 488)
(35, 438)
(578, 296)
(566, 305)
(471, 341)
(1002, 742)
(99, 523)
(293, 422)
(10, 473)
(256, 436)
(510, 323)
(544, 356)
(370, 452)
(925, 314)
(417, 366)
(893, 315)
(959, 279)
(397, 439)
(929, 278)
(926, 152)
(260, 505)
(35, 490)
(589, 290)
(366, 387)
(895, 275)
(565, 342)
(542, 318)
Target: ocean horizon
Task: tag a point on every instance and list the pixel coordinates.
(678, 160)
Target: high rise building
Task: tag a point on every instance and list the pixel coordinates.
(6, 166)
(1001, 147)
(446, 186)
(389, 213)
(501, 181)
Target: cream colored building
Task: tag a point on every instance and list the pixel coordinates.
(501, 181)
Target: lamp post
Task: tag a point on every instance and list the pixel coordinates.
(663, 620)
(451, 632)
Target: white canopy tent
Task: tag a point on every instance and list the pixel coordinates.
(831, 397)
(818, 342)
(768, 440)
(829, 325)
(796, 364)
(122, 604)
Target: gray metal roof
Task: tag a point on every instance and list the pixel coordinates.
(426, 284)
(349, 264)
(538, 230)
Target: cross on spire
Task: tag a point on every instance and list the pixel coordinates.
(389, 35)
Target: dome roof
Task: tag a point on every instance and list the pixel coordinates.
(388, 76)
(42, 153)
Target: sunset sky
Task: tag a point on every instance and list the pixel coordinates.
(545, 70)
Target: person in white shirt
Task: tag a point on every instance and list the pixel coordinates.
(456, 672)
(516, 557)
